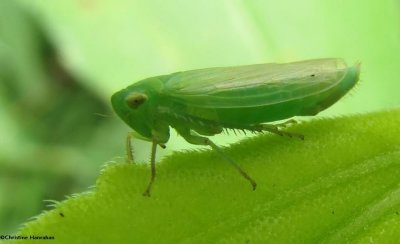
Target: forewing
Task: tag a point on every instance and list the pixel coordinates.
(254, 85)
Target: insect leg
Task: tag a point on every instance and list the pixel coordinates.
(129, 150)
(200, 140)
(153, 169)
(275, 129)
(128, 146)
(286, 123)
(228, 159)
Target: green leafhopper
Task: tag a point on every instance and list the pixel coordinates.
(201, 103)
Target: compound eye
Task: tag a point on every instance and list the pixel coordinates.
(135, 100)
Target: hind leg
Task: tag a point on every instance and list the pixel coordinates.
(286, 123)
(276, 129)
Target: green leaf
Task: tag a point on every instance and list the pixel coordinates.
(340, 184)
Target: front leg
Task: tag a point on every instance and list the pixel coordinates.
(146, 193)
(193, 138)
(130, 159)
(129, 149)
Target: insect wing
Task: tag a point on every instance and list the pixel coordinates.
(254, 85)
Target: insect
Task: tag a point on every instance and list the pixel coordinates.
(201, 103)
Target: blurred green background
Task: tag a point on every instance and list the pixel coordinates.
(60, 61)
